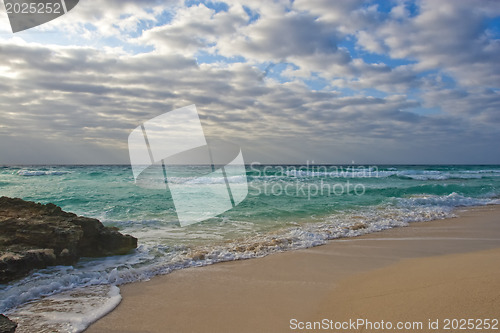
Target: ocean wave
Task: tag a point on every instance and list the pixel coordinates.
(31, 173)
(393, 172)
(452, 200)
(435, 175)
(443, 176)
(241, 179)
(480, 171)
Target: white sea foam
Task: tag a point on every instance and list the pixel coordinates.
(452, 200)
(437, 175)
(31, 173)
(480, 171)
(207, 180)
(390, 172)
(67, 312)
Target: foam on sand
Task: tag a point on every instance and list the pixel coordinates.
(61, 313)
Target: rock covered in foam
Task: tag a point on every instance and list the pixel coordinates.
(33, 235)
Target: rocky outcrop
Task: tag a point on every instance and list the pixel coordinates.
(33, 235)
(7, 325)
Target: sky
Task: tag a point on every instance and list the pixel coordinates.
(289, 81)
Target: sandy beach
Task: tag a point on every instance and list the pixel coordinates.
(425, 273)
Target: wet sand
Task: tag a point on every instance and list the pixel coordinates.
(427, 271)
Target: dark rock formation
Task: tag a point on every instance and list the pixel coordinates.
(33, 235)
(7, 325)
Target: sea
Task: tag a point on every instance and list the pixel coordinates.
(287, 207)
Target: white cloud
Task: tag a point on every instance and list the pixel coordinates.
(194, 28)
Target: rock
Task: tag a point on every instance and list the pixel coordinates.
(33, 235)
(7, 325)
(20, 263)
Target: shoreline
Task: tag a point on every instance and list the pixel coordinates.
(264, 294)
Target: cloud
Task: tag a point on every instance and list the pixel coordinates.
(449, 36)
(357, 80)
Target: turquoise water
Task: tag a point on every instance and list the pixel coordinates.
(109, 192)
(287, 207)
